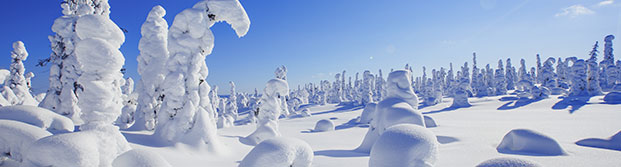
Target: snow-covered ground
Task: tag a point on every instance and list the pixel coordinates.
(467, 136)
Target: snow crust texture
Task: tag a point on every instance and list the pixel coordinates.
(279, 152)
(529, 142)
(405, 145)
(40, 117)
(17, 137)
(324, 125)
(140, 158)
(508, 162)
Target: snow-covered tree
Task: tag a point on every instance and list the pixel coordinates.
(462, 90)
(608, 76)
(64, 71)
(281, 73)
(548, 77)
(500, 80)
(128, 113)
(511, 75)
(578, 77)
(269, 111)
(17, 81)
(561, 73)
(489, 80)
(366, 89)
(593, 86)
(153, 56)
(186, 112)
(538, 76)
(477, 83)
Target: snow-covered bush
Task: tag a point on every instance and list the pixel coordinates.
(269, 111)
(279, 152)
(399, 107)
(540, 92)
(139, 157)
(529, 142)
(16, 138)
(405, 145)
(153, 55)
(128, 112)
(368, 113)
(324, 125)
(186, 114)
(429, 122)
(508, 161)
(36, 116)
(17, 80)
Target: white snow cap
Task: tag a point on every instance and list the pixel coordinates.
(19, 51)
(281, 151)
(405, 145)
(229, 11)
(398, 85)
(529, 142)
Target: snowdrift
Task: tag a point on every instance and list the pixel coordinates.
(404, 145)
(17, 137)
(613, 143)
(524, 141)
(279, 152)
(508, 162)
(39, 117)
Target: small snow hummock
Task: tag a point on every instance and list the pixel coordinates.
(429, 122)
(40, 117)
(305, 113)
(368, 113)
(324, 125)
(613, 98)
(139, 157)
(524, 141)
(405, 145)
(507, 161)
(17, 137)
(613, 143)
(279, 152)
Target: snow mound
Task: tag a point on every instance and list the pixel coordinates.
(613, 143)
(279, 152)
(429, 122)
(324, 125)
(524, 141)
(367, 113)
(305, 113)
(506, 162)
(39, 117)
(405, 145)
(85, 148)
(140, 158)
(613, 98)
(17, 137)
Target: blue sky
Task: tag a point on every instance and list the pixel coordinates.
(317, 38)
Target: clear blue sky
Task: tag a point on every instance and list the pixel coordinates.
(317, 38)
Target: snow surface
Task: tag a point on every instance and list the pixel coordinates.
(16, 138)
(279, 152)
(140, 158)
(508, 162)
(613, 98)
(429, 122)
(324, 125)
(367, 114)
(405, 145)
(474, 131)
(524, 141)
(40, 117)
